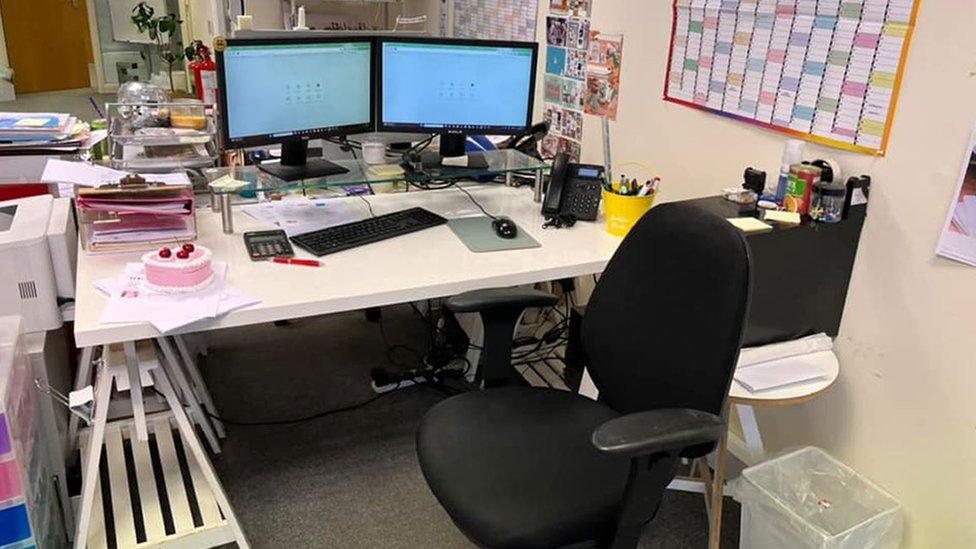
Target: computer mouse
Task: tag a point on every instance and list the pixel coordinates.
(505, 227)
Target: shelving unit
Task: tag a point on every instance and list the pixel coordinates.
(174, 498)
(142, 139)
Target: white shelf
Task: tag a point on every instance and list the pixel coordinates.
(182, 500)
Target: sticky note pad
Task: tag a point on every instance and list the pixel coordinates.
(786, 218)
(750, 225)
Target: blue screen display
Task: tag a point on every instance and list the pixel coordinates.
(291, 89)
(588, 172)
(454, 86)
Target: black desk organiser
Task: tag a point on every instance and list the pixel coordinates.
(801, 275)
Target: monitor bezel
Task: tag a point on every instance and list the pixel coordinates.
(481, 130)
(268, 139)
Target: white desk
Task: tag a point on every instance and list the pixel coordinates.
(427, 264)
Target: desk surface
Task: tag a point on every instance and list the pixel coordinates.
(428, 264)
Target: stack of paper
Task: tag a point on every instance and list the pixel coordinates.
(24, 131)
(68, 174)
(783, 364)
(299, 215)
(130, 300)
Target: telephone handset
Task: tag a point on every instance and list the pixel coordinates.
(574, 189)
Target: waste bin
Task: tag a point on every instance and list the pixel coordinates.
(808, 499)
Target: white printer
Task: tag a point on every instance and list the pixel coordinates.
(38, 258)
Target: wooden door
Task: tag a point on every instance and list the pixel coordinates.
(47, 43)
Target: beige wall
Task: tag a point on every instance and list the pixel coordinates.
(904, 411)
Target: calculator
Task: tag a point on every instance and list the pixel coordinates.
(263, 245)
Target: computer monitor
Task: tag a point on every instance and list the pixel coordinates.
(288, 91)
(455, 87)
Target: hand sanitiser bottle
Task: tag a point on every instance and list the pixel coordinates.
(792, 154)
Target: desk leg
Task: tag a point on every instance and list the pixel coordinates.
(194, 450)
(82, 379)
(133, 369)
(538, 186)
(750, 431)
(718, 492)
(203, 393)
(103, 393)
(171, 365)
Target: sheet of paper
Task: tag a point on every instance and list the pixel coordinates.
(131, 301)
(230, 300)
(88, 175)
(79, 173)
(298, 215)
(781, 373)
(777, 351)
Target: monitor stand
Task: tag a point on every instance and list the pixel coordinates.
(453, 153)
(295, 165)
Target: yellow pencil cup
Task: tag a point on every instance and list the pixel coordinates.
(623, 212)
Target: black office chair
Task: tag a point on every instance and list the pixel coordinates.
(529, 467)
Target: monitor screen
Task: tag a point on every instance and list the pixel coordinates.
(296, 89)
(438, 85)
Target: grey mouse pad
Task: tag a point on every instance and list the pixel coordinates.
(479, 236)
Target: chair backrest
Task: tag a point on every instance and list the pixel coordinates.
(664, 325)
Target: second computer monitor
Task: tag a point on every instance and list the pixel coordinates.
(455, 87)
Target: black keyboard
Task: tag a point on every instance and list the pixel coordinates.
(351, 235)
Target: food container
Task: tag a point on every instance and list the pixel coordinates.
(827, 202)
(803, 178)
(188, 113)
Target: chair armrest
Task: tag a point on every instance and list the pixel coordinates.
(499, 298)
(653, 431)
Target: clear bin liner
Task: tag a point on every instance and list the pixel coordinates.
(808, 499)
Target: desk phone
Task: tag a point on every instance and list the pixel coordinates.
(574, 189)
(263, 245)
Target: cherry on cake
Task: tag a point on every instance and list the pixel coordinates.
(182, 269)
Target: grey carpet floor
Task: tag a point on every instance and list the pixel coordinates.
(70, 101)
(351, 479)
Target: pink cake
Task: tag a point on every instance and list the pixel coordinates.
(179, 270)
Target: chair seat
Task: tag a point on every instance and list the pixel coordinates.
(514, 466)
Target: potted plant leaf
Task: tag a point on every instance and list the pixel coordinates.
(162, 31)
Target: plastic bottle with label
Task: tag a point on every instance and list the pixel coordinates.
(792, 154)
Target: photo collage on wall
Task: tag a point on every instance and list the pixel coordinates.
(568, 41)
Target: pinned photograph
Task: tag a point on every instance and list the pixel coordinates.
(554, 116)
(550, 146)
(578, 33)
(574, 65)
(603, 74)
(556, 60)
(571, 125)
(560, 6)
(556, 31)
(571, 148)
(579, 8)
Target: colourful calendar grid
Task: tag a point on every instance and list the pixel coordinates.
(823, 70)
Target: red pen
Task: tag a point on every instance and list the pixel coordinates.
(293, 261)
